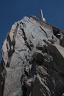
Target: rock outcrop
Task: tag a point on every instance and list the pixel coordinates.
(32, 60)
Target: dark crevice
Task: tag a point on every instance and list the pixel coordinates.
(15, 31)
(56, 32)
(25, 39)
(11, 44)
(23, 24)
(44, 31)
(8, 64)
(2, 77)
(27, 44)
(32, 36)
(9, 40)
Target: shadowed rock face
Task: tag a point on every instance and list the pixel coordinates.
(29, 54)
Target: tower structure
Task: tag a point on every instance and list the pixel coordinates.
(41, 16)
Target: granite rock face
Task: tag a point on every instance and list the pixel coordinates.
(32, 58)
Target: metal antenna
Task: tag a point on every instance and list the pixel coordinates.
(41, 16)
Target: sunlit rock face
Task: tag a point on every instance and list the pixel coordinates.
(31, 67)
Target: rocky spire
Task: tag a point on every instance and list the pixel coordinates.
(33, 62)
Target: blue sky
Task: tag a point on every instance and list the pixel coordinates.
(14, 10)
